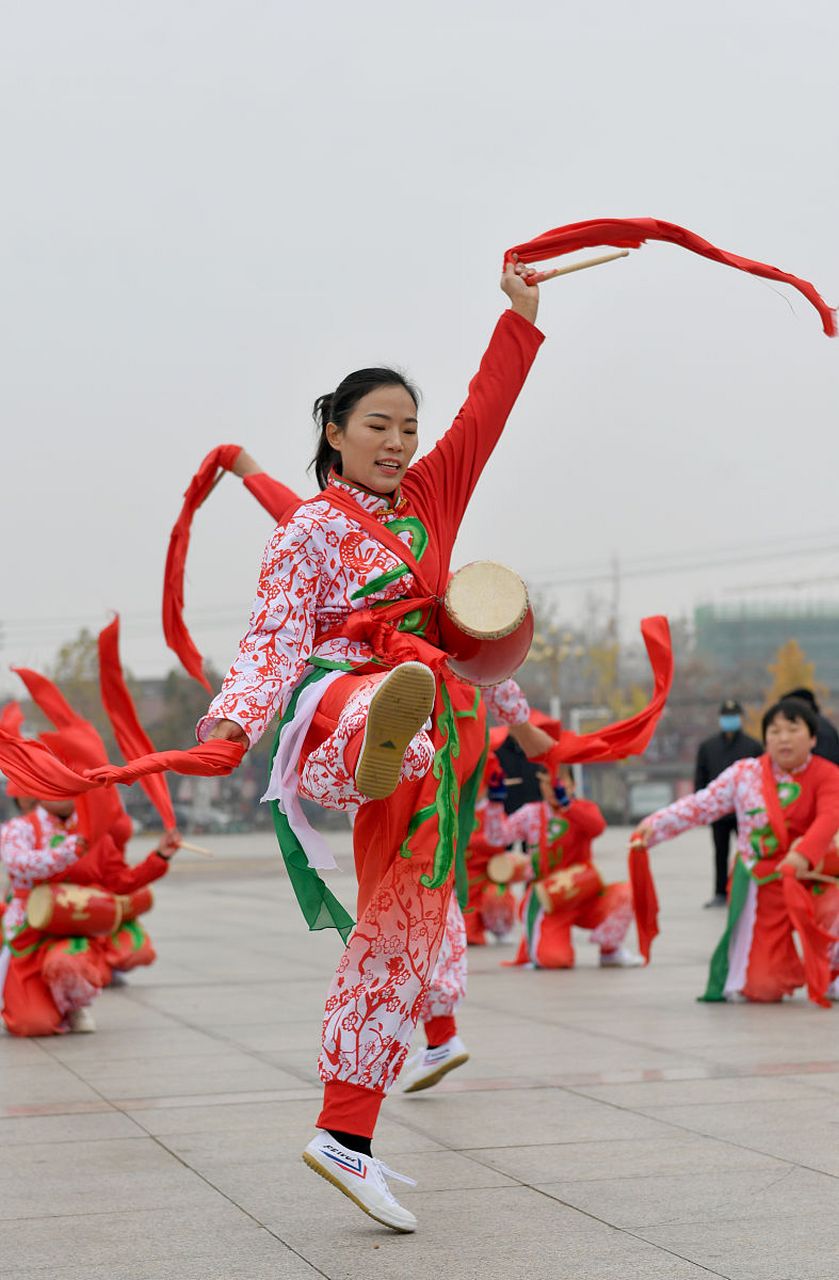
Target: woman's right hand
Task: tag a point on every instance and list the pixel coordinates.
(229, 731)
(523, 296)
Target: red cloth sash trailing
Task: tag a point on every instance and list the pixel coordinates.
(273, 496)
(128, 731)
(644, 898)
(11, 718)
(625, 737)
(631, 233)
(815, 941)
(51, 701)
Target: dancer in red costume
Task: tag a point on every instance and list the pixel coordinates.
(48, 984)
(374, 551)
(787, 807)
(566, 891)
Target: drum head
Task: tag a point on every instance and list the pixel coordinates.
(486, 600)
(39, 906)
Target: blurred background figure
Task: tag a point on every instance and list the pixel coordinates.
(715, 755)
(827, 739)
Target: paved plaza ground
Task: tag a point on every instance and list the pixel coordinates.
(607, 1127)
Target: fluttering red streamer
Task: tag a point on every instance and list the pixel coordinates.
(214, 759)
(632, 736)
(46, 695)
(644, 898)
(37, 771)
(130, 735)
(273, 496)
(815, 941)
(11, 718)
(631, 233)
(174, 628)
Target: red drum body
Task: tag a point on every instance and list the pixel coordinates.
(486, 623)
(76, 911)
(570, 886)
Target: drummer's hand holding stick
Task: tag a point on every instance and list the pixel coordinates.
(168, 845)
(798, 862)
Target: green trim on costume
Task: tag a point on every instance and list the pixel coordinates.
(534, 906)
(321, 909)
(466, 822)
(417, 547)
(447, 799)
(718, 969)
(135, 931)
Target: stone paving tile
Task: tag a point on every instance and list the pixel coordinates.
(78, 1178)
(713, 1197)
(679, 1155)
(163, 1241)
(209, 1072)
(39, 1083)
(518, 1117)
(89, 1127)
(606, 1127)
(756, 1247)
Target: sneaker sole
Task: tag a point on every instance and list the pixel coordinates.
(330, 1177)
(398, 710)
(428, 1082)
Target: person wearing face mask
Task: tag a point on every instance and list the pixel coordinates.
(716, 754)
(787, 807)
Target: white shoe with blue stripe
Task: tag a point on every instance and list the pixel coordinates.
(362, 1178)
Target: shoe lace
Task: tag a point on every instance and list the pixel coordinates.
(386, 1172)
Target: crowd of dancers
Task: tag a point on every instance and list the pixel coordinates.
(344, 646)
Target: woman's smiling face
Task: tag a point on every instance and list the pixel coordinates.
(379, 439)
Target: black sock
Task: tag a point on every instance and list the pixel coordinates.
(351, 1140)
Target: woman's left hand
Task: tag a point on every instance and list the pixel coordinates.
(523, 295)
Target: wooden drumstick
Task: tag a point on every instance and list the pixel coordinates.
(196, 848)
(589, 262)
(814, 875)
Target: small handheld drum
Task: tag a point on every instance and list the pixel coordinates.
(486, 623)
(568, 886)
(508, 868)
(75, 910)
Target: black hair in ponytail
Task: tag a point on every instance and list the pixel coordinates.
(338, 405)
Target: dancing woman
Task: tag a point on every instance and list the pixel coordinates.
(343, 643)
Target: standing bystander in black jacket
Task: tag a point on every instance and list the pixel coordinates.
(714, 756)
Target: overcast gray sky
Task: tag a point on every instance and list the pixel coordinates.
(214, 210)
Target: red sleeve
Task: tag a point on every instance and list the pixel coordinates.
(134, 878)
(818, 837)
(446, 477)
(586, 817)
(277, 500)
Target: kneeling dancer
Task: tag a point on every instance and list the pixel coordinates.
(787, 807)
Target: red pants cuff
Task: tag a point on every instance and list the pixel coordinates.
(350, 1108)
(439, 1030)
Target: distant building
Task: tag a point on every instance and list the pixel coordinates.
(742, 636)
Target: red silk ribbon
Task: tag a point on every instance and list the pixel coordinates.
(273, 496)
(631, 233)
(644, 898)
(131, 737)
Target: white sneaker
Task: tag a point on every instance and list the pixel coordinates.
(361, 1178)
(736, 997)
(82, 1020)
(620, 959)
(428, 1067)
(398, 709)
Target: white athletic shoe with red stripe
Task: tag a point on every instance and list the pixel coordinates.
(361, 1178)
(427, 1067)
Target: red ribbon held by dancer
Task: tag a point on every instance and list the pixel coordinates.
(631, 233)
